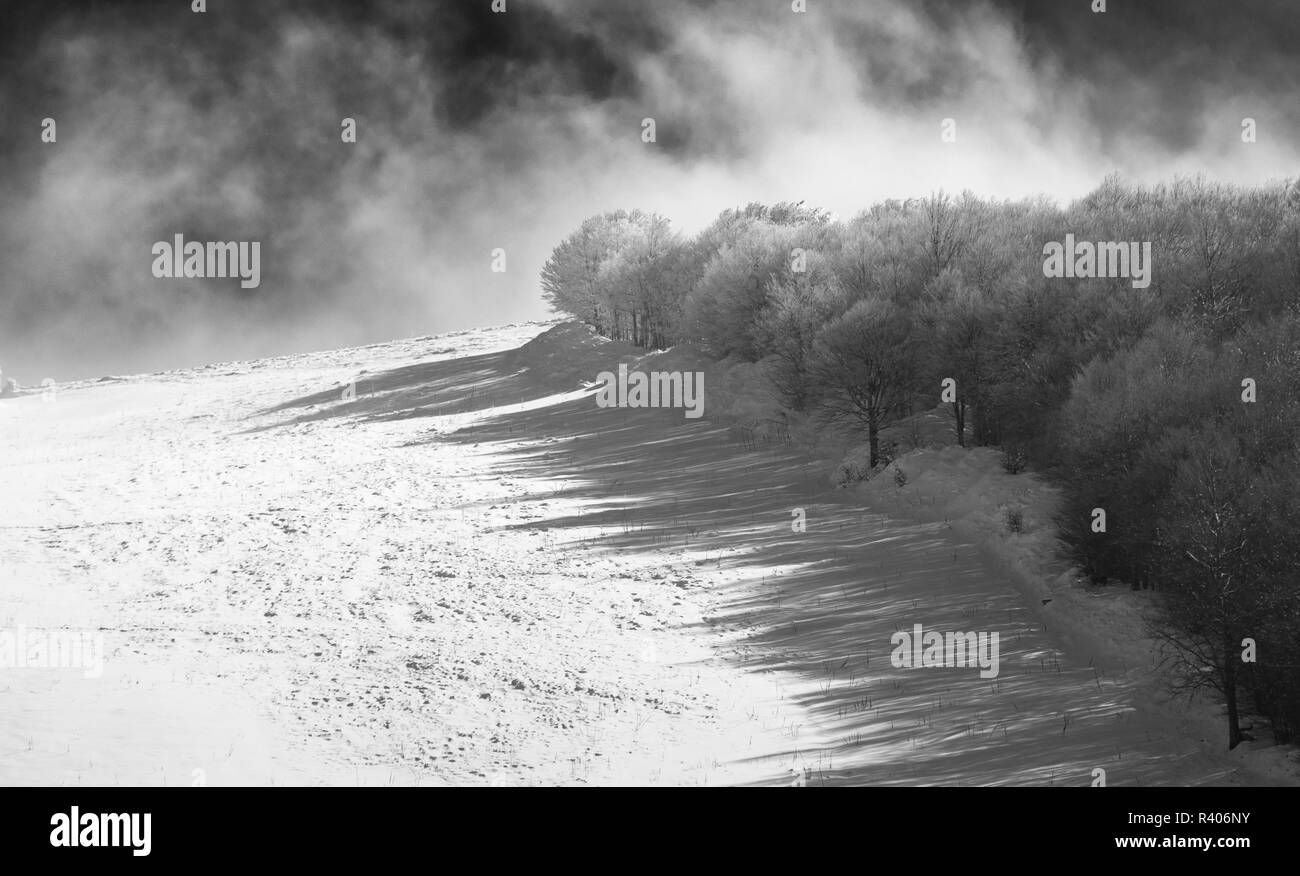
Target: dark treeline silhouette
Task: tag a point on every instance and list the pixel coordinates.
(1135, 401)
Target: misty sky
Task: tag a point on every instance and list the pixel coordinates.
(479, 130)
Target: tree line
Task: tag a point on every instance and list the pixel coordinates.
(1171, 408)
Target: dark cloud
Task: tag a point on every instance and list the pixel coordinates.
(1159, 65)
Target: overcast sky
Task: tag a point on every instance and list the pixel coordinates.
(479, 130)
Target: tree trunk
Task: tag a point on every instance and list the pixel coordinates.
(959, 413)
(1230, 658)
(873, 438)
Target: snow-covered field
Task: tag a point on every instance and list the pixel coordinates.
(436, 561)
(341, 600)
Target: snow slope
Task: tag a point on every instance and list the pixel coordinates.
(298, 581)
(437, 561)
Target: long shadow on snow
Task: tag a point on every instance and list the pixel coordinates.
(824, 604)
(821, 605)
(426, 389)
(559, 360)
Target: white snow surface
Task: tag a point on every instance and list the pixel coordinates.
(437, 561)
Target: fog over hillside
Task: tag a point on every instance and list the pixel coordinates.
(478, 131)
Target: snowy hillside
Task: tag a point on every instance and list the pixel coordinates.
(437, 561)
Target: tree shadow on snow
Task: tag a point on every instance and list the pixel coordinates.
(819, 606)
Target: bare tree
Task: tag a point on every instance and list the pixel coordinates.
(1206, 543)
(866, 365)
(800, 304)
